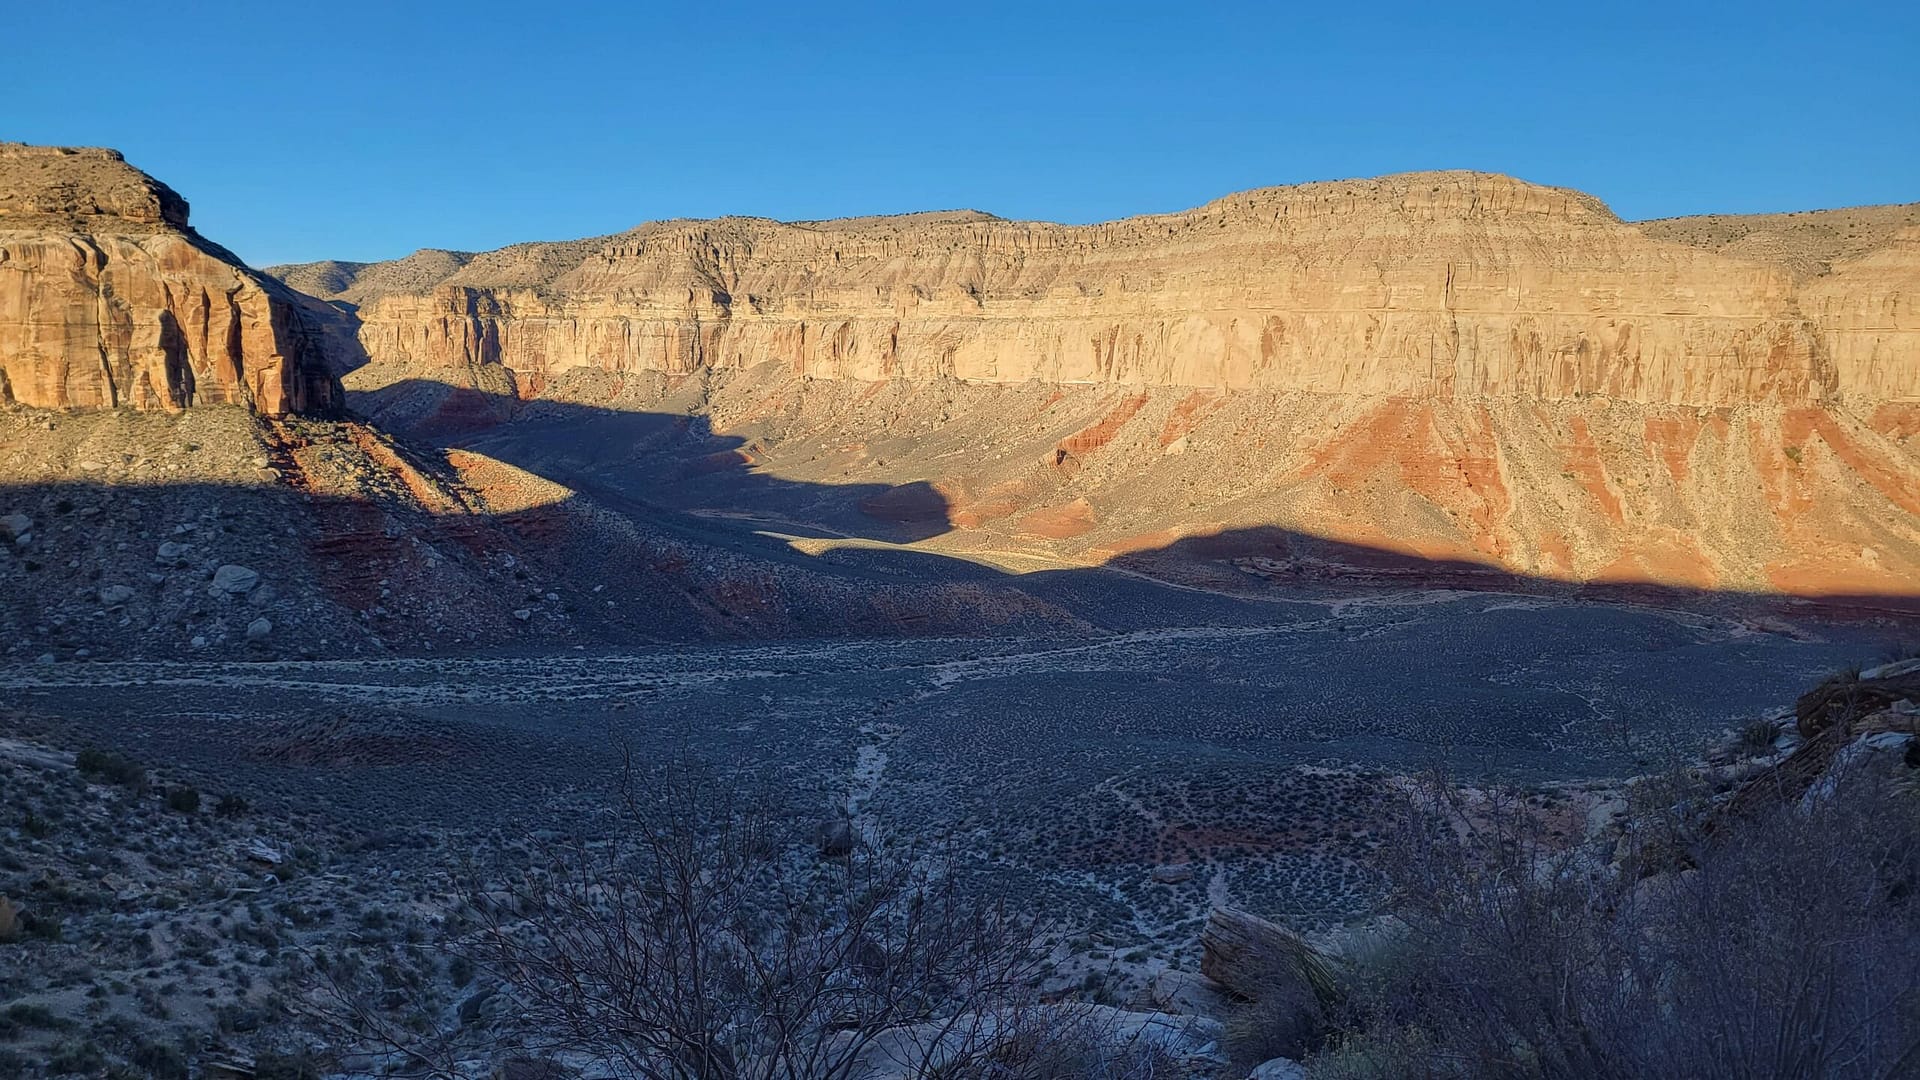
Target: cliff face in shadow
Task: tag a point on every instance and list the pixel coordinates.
(173, 535)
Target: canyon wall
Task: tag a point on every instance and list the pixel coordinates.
(108, 299)
(1429, 371)
(1436, 286)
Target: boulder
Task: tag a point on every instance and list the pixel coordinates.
(233, 578)
(1603, 816)
(1172, 874)
(1881, 754)
(258, 630)
(1278, 1069)
(1245, 953)
(1186, 992)
(15, 527)
(115, 595)
(476, 1006)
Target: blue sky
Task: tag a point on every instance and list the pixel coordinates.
(367, 130)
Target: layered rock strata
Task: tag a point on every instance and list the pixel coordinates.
(1435, 286)
(1445, 367)
(108, 298)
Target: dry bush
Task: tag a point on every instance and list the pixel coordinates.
(697, 940)
(1067, 1042)
(1284, 1019)
(1785, 946)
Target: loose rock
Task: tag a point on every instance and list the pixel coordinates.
(233, 578)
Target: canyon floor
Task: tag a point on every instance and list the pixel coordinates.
(410, 657)
(1240, 751)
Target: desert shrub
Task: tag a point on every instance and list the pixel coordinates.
(1758, 736)
(40, 925)
(258, 935)
(158, 1061)
(78, 1056)
(230, 806)
(33, 1016)
(1787, 946)
(1070, 1043)
(110, 767)
(693, 941)
(183, 799)
(459, 970)
(1284, 1020)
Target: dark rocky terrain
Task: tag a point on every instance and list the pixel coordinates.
(295, 673)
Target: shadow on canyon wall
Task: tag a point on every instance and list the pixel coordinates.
(651, 463)
(675, 472)
(705, 551)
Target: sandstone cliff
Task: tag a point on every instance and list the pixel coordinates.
(1454, 367)
(1431, 285)
(108, 298)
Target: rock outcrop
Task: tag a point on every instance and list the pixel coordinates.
(108, 299)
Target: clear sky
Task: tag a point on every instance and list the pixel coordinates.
(366, 130)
